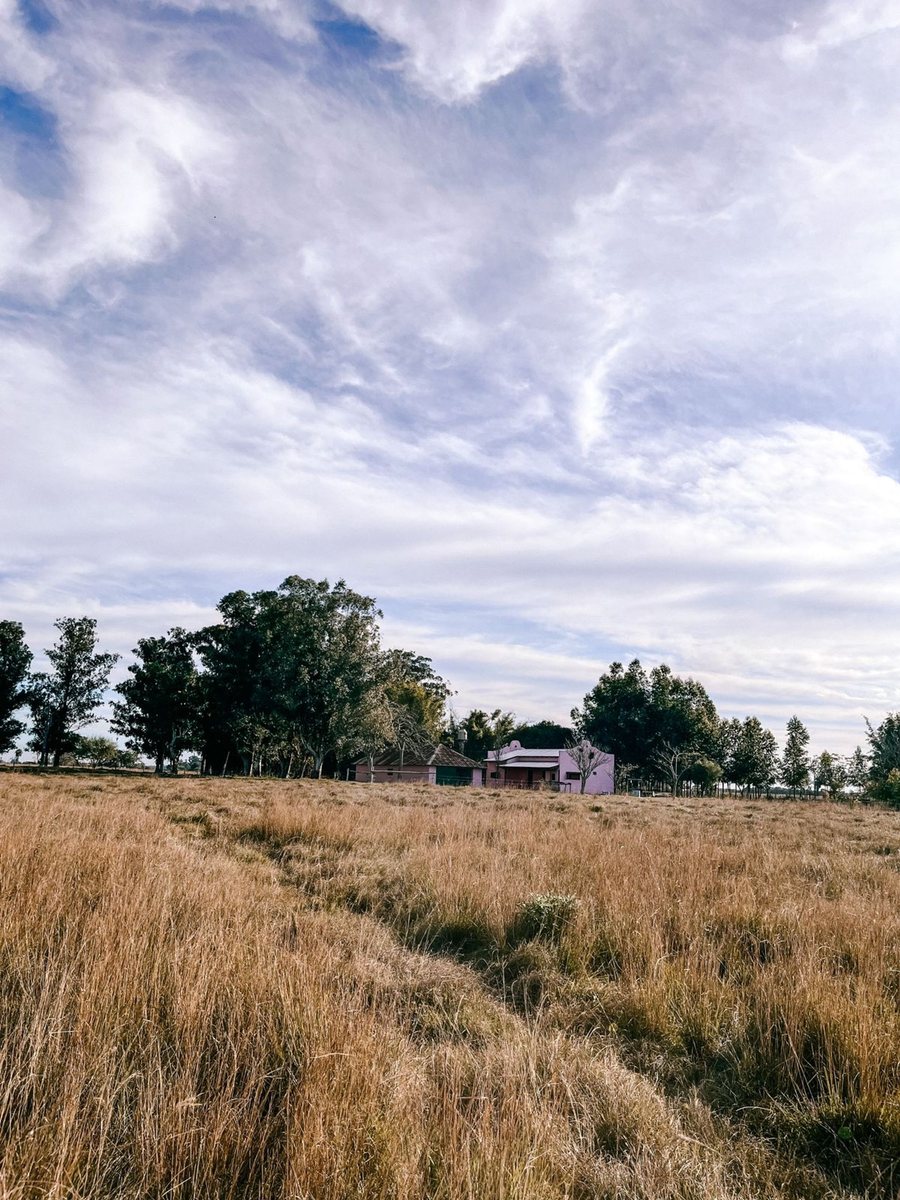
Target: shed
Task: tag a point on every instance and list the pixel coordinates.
(433, 764)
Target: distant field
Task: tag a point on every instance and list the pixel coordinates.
(236, 988)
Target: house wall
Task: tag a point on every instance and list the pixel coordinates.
(419, 774)
(599, 783)
(518, 776)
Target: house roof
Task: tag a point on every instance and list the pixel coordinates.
(445, 756)
(432, 756)
(526, 760)
(516, 755)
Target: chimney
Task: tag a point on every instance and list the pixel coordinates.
(461, 736)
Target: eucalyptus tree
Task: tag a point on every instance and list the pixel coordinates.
(682, 714)
(66, 698)
(726, 742)
(485, 732)
(657, 722)
(15, 660)
(235, 693)
(543, 735)
(704, 773)
(98, 751)
(326, 667)
(615, 714)
(416, 693)
(159, 707)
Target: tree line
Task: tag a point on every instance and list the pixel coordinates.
(294, 681)
(665, 730)
(288, 681)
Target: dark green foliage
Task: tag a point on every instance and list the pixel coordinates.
(830, 773)
(884, 769)
(485, 732)
(327, 663)
(704, 773)
(413, 685)
(235, 707)
(543, 735)
(15, 659)
(410, 719)
(65, 698)
(616, 714)
(158, 710)
(97, 751)
(858, 770)
(644, 719)
(291, 674)
(754, 763)
(795, 764)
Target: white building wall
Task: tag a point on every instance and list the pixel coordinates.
(601, 781)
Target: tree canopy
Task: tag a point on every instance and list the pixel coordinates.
(158, 711)
(644, 718)
(294, 678)
(15, 660)
(296, 670)
(795, 762)
(484, 732)
(65, 699)
(543, 735)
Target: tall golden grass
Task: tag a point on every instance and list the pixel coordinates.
(243, 988)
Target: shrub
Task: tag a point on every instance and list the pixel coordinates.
(545, 915)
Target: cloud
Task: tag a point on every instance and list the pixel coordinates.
(737, 559)
(21, 62)
(567, 328)
(454, 51)
(134, 161)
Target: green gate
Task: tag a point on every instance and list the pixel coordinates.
(454, 776)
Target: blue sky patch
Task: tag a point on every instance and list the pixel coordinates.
(37, 16)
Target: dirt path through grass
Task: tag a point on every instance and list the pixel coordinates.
(466, 980)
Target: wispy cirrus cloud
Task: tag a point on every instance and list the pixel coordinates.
(568, 328)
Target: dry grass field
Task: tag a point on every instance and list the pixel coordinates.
(244, 988)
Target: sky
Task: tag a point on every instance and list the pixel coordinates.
(566, 329)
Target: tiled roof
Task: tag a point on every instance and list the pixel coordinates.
(445, 757)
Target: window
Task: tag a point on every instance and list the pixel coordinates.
(572, 775)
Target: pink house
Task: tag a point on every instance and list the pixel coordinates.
(516, 767)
